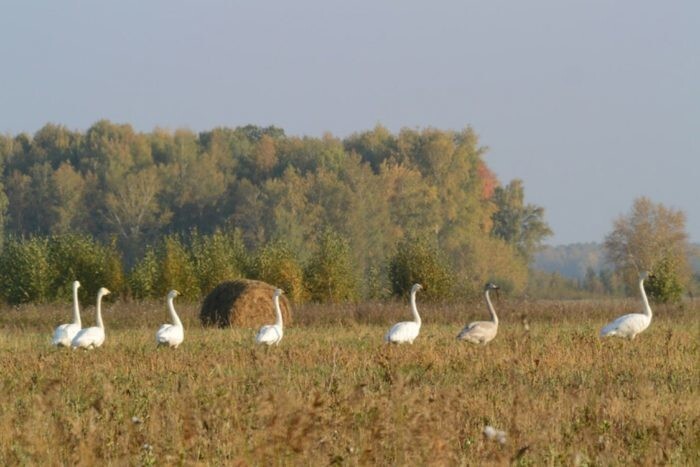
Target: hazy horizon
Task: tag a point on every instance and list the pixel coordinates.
(592, 104)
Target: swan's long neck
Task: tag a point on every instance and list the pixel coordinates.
(278, 311)
(645, 300)
(494, 318)
(414, 309)
(76, 308)
(98, 313)
(173, 316)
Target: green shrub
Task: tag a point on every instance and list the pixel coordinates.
(664, 285)
(177, 269)
(26, 274)
(329, 274)
(79, 257)
(145, 276)
(276, 264)
(114, 269)
(420, 261)
(193, 271)
(489, 259)
(217, 258)
(377, 283)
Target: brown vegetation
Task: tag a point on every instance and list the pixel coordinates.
(242, 303)
(333, 393)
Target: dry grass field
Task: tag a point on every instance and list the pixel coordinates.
(333, 393)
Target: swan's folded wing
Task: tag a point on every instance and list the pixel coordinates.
(465, 330)
(170, 334)
(60, 335)
(402, 332)
(87, 337)
(619, 326)
(81, 339)
(478, 332)
(267, 334)
(162, 330)
(626, 325)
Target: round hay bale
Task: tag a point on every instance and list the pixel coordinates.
(243, 303)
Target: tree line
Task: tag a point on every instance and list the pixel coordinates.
(370, 194)
(650, 237)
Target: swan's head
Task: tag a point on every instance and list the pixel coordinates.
(491, 286)
(644, 275)
(103, 291)
(173, 293)
(76, 284)
(416, 288)
(278, 292)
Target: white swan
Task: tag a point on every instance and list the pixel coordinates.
(91, 338)
(272, 333)
(481, 332)
(171, 335)
(632, 324)
(406, 331)
(65, 333)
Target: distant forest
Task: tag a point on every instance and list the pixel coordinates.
(573, 260)
(374, 189)
(581, 270)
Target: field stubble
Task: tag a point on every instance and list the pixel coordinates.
(333, 393)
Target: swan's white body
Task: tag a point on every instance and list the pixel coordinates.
(482, 332)
(64, 334)
(630, 325)
(173, 334)
(406, 331)
(93, 337)
(272, 333)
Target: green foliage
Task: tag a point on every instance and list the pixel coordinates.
(131, 208)
(418, 260)
(79, 257)
(375, 146)
(651, 237)
(276, 264)
(592, 282)
(26, 274)
(330, 273)
(377, 282)
(114, 269)
(177, 269)
(491, 259)
(145, 276)
(40, 269)
(218, 257)
(68, 207)
(3, 212)
(664, 285)
(165, 267)
(373, 188)
(519, 224)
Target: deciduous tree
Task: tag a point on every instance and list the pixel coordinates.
(651, 237)
(519, 224)
(329, 274)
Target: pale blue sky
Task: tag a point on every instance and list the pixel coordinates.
(591, 102)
